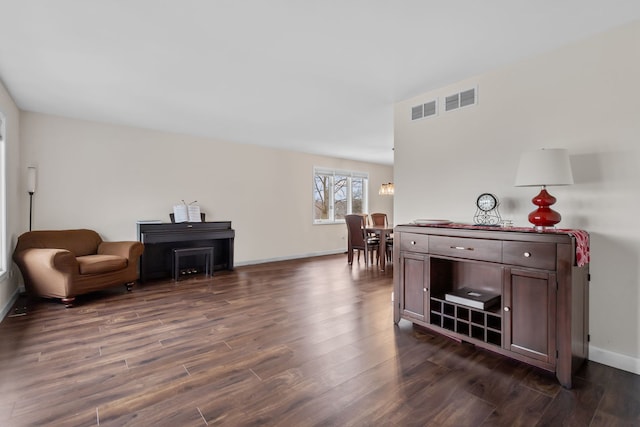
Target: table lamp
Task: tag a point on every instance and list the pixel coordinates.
(545, 167)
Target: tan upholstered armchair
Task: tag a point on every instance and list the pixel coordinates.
(66, 263)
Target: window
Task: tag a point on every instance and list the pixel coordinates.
(3, 197)
(338, 193)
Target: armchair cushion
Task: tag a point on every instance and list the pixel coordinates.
(96, 264)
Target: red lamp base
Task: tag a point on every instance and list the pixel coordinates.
(544, 216)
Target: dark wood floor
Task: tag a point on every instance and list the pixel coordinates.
(296, 343)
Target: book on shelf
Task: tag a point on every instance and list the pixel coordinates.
(473, 298)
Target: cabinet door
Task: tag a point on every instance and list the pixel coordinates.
(530, 314)
(413, 301)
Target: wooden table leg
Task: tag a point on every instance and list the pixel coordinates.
(382, 250)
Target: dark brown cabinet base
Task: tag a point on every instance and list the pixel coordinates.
(541, 317)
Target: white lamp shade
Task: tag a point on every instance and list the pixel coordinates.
(550, 166)
(31, 179)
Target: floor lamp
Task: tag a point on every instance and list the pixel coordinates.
(31, 188)
(21, 305)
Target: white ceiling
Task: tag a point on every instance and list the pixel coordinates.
(313, 76)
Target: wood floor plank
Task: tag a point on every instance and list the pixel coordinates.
(575, 407)
(618, 407)
(187, 417)
(93, 393)
(225, 408)
(523, 406)
(81, 417)
(307, 342)
(53, 380)
(498, 385)
(182, 408)
(276, 399)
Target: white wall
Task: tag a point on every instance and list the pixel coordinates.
(15, 198)
(584, 97)
(106, 177)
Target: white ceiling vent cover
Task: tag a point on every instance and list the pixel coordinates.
(452, 102)
(416, 112)
(468, 97)
(427, 109)
(465, 98)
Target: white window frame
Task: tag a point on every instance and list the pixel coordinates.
(3, 197)
(332, 173)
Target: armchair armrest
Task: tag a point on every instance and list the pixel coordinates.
(61, 260)
(127, 249)
(49, 272)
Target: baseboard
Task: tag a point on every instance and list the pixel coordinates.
(286, 258)
(615, 360)
(7, 308)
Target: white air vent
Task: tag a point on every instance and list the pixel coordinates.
(468, 97)
(417, 112)
(430, 108)
(427, 109)
(462, 99)
(452, 102)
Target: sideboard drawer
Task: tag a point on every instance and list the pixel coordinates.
(462, 247)
(530, 254)
(414, 242)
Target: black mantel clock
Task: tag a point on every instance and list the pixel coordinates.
(487, 210)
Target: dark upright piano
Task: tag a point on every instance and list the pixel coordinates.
(160, 240)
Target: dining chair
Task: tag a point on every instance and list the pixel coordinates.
(359, 240)
(380, 220)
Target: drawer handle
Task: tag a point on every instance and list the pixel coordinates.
(527, 254)
(413, 242)
(461, 248)
(507, 309)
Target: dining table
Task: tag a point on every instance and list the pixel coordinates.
(382, 232)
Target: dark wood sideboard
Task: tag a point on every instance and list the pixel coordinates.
(542, 314)
(160, 239)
